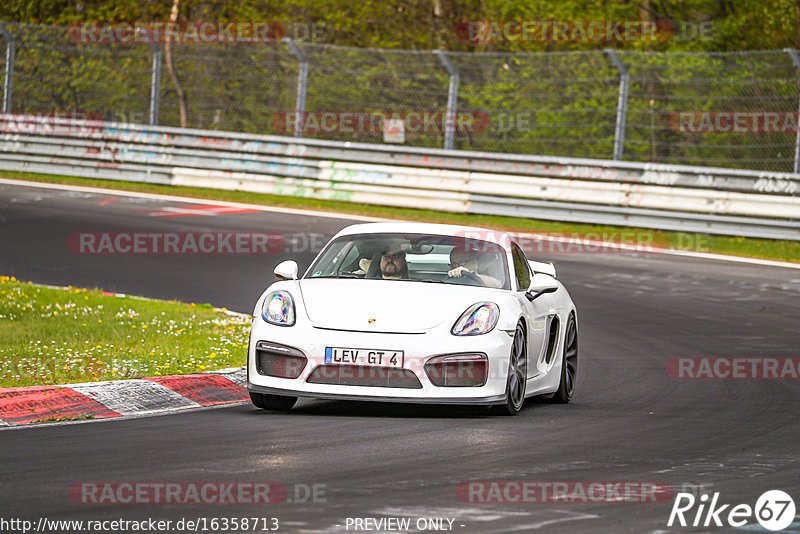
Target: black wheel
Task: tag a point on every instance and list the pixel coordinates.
(272, 402)
(517, 374)
(258, 400)
(569, 364)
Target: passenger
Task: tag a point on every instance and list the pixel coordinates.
(467, 262)
(393, 264)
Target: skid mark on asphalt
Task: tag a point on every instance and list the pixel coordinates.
(756, 527)
(26, 199)
(692, 286)
(739, 466)
(197, 211)
(568, 516)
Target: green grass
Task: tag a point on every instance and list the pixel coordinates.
(63, 336)
(781, 250)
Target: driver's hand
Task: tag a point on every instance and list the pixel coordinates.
(456, 273)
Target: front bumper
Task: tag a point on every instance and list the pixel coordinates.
(417, 348)
(474, 401)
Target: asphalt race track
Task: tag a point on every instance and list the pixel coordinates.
(629, 421)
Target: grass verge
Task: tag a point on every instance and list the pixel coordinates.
(64, 336)
(771, 249)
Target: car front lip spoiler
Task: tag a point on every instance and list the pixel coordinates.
(479, 401)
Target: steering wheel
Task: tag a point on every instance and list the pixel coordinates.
(470, 278)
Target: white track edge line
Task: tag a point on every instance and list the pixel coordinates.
(190, 200)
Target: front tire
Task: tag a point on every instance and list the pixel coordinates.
(517, 374)
(276, 403)
(569, 364)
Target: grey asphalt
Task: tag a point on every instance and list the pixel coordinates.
(628, 421)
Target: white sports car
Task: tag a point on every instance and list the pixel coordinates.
(413, 312)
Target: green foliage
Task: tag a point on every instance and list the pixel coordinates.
(550, 97)
(427, 24)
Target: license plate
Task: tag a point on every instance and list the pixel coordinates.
(368, 357)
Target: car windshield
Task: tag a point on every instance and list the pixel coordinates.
(414, 257)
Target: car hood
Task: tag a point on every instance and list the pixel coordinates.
(384, 305)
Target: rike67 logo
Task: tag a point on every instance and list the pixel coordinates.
(774, 510)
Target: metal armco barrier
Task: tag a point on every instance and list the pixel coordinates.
(669, 197)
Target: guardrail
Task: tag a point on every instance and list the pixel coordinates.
(669, 197)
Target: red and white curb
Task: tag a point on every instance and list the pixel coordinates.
(123, 398)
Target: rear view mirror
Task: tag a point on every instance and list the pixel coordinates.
(286, 270)
(540, 284)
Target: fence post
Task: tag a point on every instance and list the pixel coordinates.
(452, 100)
(796, 60)
(155, 84)
(9, 71)
(622, 103)
(302, 83)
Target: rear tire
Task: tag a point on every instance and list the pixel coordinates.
(569, 364)
(276, 403)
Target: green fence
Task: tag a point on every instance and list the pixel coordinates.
(734, 109)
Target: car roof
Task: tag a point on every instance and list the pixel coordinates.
(471, 232)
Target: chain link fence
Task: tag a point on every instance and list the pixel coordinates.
(737, 109)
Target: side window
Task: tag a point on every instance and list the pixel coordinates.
(349, 261)
(521, 268)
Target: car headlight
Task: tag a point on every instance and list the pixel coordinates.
(278, 308)
(479, 318)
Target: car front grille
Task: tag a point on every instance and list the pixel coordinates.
(458, 370)
(362, 375)
(273, 359)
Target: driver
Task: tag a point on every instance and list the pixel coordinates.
(462, 262)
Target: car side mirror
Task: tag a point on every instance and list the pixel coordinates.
(286, 270)
(540, 284)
